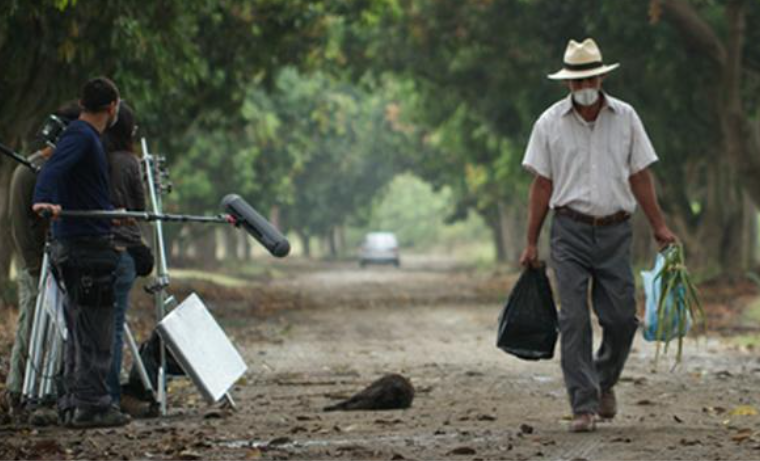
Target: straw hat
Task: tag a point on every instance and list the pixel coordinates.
(582, 60)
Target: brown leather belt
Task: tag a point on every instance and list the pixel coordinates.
(620, 216)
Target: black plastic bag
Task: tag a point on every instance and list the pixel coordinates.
(528, 323)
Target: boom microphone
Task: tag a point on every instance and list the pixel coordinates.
(255, 224)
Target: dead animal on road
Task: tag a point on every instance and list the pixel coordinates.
(391, 392)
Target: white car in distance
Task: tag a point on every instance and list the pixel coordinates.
(379, 248)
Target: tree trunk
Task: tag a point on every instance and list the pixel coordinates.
(741, 146)
(494, 224)
(332, 244)
(231, 241)
(247, 247)
(749, 234)
(6, 247)
(205, 250)
(340, 240)
(715, 243)
(305, 243)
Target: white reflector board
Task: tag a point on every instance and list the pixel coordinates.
(201, 348)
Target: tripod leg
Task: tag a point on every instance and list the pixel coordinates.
(162, 391)
(48, 369)
(229, 402)
(55, 332)
(32, 358)
(138, 360)
(46, 351)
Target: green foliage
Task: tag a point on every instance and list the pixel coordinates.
(252, 96)
(317, 149)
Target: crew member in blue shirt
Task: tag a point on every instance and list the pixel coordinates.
(76, 178)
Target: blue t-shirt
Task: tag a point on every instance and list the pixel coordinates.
(76, 178)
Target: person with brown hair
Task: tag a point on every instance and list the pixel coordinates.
(128, 193)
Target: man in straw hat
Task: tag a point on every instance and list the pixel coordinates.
(590, 153)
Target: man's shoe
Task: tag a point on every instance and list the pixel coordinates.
(43, 416)
(109, 417)
(583, 422)
(65, 417)
(11, 403)
(137, 408)
(607, 404)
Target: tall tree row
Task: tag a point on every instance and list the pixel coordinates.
(310, 107)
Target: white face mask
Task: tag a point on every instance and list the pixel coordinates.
(586, 96)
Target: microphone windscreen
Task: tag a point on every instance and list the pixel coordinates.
(256, 225)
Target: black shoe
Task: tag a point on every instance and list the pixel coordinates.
(43, 416)
(65, 417)
(11, 403)
(109, 417)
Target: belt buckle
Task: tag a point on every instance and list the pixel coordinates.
(596, 221)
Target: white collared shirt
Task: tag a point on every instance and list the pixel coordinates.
(589, 163)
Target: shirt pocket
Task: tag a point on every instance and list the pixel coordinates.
(563, 151)
(618, 151)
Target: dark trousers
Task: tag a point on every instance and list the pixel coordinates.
(125, 278)
(87, 271)
(599, 258)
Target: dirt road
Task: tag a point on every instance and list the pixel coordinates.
(435, 324)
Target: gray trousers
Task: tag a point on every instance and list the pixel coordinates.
(27, 299)
(600, 258)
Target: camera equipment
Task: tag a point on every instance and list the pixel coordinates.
(241, 214)
(51, 130)
(48, 135)
(46, 339)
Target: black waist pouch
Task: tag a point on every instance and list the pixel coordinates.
(143, 257)
(88, 267)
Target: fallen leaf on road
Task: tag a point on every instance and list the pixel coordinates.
(462, 451)
(526, 429)
(216, 414)
(388, 422)
(280, 441)
(713, 410)
(677, 419)
(744, 410)
(253, 453)
(645, 402)
(690, 443)
(48, 446)
(486, 418)
(621, 440)
(741, 437)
